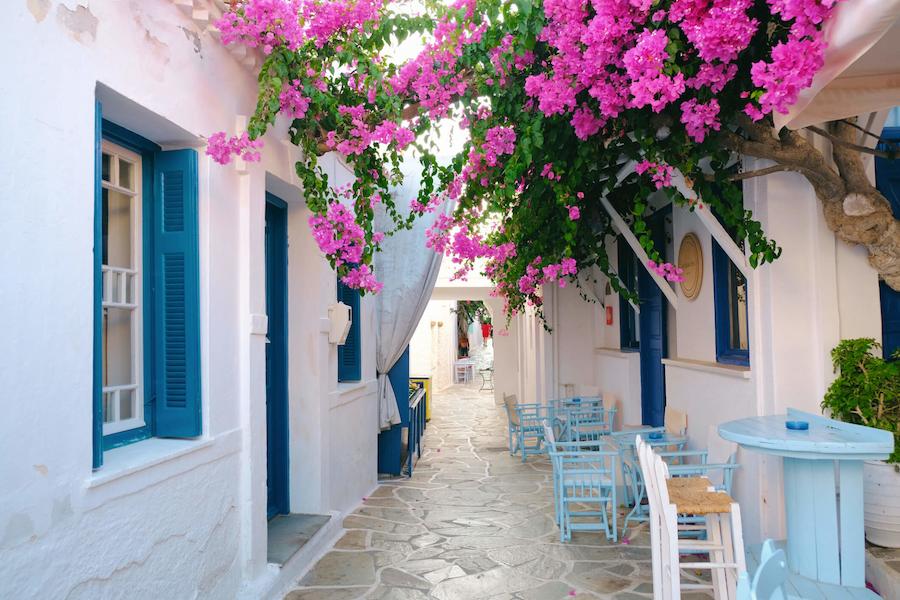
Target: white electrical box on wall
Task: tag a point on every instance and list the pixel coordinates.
(340, 316)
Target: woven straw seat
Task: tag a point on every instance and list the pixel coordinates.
(690, 501)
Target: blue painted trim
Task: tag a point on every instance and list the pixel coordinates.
(887, 177)
(390, 441)
(97, 376)
(350, 367)
(725, 353)
(123, 137)
(276, 201)
(653, 317)
(277, 403)
(628, 340)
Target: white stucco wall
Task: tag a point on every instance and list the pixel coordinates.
(170, 518)
(506, 360)
(574, 320)
(432, 349)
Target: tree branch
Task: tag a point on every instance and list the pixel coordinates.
(794, 154)
(763, 172)
(840, 142)
(862, 129)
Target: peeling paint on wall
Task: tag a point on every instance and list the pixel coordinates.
(194, 38)
(38, 9)
(80, 23)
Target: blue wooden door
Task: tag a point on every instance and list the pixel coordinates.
(653, 339)
(276, 358)
(887, 177)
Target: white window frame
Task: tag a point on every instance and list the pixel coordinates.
(115, 284)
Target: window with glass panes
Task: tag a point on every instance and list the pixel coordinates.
(121, 289)
(146, 315)
(629, 324)
(731, 301)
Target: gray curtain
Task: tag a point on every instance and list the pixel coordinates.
(408, 270)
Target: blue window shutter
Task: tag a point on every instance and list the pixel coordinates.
(349, 357)
(627, 316)
(176, 295)
(722, 284)
(97, 392)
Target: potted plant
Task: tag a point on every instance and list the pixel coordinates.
(867, 392)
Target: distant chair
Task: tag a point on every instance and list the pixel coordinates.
(512, 420)
(767, 582)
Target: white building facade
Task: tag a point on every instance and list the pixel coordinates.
(178, 508)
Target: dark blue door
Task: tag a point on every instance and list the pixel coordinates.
(887, 177)
(653, 340)
(276, 357)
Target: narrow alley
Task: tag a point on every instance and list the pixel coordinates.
(472, 523)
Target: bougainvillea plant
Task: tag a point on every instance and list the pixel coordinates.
(556, 96)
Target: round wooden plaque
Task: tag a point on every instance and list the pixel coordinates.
(690, 258)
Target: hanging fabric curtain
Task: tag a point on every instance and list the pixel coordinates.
(408, 270)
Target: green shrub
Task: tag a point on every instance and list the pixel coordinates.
(867, 390)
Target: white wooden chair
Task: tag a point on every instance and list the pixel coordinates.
(724, 544)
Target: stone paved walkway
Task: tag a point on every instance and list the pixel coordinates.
(472, 523)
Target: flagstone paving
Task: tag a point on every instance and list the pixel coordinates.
(472, 523)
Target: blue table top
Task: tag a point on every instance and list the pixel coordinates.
(825, 439)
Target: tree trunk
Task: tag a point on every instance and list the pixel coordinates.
(854, 209)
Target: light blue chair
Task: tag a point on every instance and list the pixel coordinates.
(767, 583)
(585, 489)
(632, 477)
(530, 431)
(717, 461)
(590, 423)
(553, 428)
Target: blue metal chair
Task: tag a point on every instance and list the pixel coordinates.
(585, 488)
(767, 583)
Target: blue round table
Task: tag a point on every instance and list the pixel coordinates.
(825, 538)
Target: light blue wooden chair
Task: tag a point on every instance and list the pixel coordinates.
(585, 488)
(767, 582)
(514, 412)
(632, 476)
(553, 443)
(585, 417)
(717, 461)
(530, 431)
